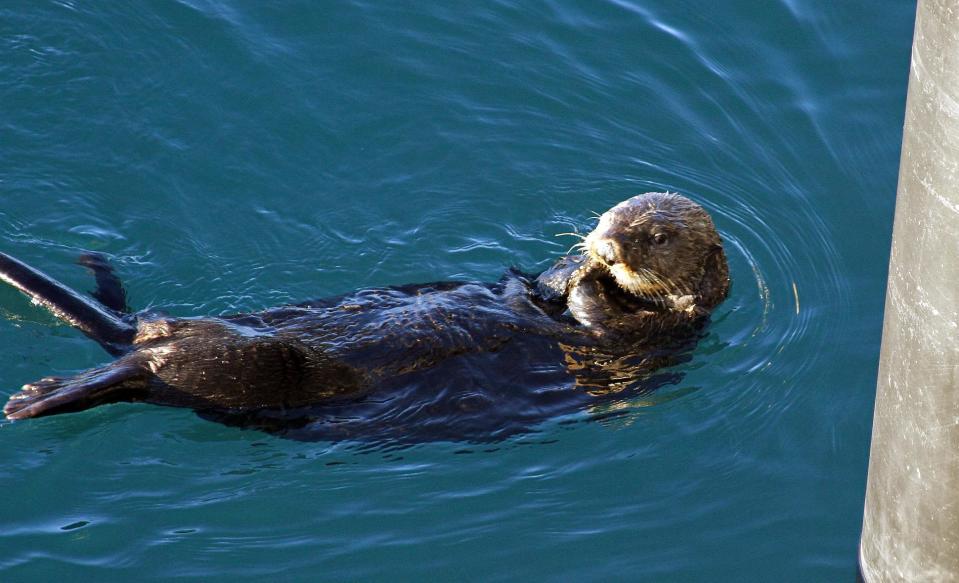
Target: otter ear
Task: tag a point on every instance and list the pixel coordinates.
(714, 287)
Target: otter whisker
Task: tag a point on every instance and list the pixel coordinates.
(677, 289)
(581, 246)
(578, 245)
(647, 283)
(661, 288)
(668, 284)
(640, 282)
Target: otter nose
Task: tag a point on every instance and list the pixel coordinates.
(609, 251)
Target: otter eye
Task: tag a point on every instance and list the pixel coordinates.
(660, 239)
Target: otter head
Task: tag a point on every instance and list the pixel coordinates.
(658, 246)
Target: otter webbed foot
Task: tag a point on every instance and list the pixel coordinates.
(52, 395)
(109, 290)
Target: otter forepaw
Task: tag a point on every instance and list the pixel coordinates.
(688, 305)
(682, 303)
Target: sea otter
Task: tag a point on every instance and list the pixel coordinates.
(637, 294)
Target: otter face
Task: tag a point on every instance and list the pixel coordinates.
(655, 245)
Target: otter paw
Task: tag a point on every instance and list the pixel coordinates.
(682, 303)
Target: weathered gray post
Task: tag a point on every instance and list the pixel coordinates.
(911, 523)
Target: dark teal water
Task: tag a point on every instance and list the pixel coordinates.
(237, 155)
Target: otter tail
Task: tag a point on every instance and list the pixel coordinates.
(53, 395)
(103, 323)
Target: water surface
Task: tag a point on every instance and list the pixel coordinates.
(230, 156)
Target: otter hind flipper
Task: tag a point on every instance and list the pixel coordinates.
(109, 290)
(54, 395)
(89, 316)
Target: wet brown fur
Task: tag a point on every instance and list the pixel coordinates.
(648, 276)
